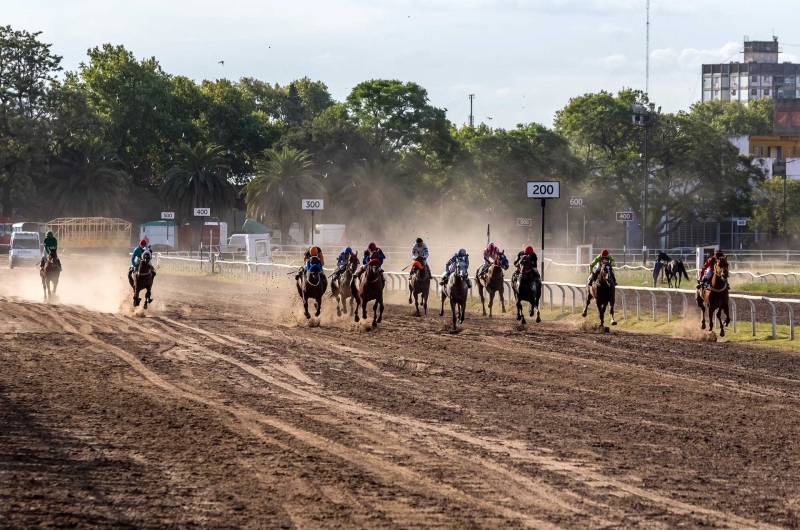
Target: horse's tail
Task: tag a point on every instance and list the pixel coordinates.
(684, 273)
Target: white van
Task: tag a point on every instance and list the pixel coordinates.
(25, 249)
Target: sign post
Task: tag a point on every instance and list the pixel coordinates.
(577, 202)
(625, 217)
(313, 205)
(200, 213)
(543, 190)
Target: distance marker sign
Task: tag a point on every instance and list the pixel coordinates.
(624, 217)
(313, 204)
(544, 190)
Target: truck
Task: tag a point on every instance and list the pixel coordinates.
(25, 249)
(329, 235)
(257, 248)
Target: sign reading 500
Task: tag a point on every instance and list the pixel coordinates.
(313, 204)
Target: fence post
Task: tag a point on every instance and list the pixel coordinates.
(563, 298)
(733, 314)
(638, 305)
(752, 315)
(655, 315)
(572, 291)
(550, 290)
(669, 306)
(772, 306)
(685, 304)
(624, 313)
(791, 319)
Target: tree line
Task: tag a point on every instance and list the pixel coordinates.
(121, 137)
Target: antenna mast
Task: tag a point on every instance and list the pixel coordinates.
(647, 59)
(471, 117)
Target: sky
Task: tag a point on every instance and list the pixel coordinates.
(523, 59)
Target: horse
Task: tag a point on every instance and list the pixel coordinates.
(340, 288)
(494, 284)
(141, 278)
(527, 288)
(420, 283)
(370, 288)
(603, 292)
(312, 284)
(457, 290)
(49, 274)
(716, 298)
(673, 271)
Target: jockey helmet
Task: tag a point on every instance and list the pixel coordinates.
(49, 233)
(143, 243)
(491, 247)
(313, 251)
(348, 250)
(372, 246)
(462, 253)
(604, 253)
(529, 250)
(718, 253)
(419, 241)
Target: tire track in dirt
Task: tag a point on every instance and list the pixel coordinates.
(579, 470)
(252, 420)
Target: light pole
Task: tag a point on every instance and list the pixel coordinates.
(641, 118)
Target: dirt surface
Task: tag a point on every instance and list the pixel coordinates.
(223, 408)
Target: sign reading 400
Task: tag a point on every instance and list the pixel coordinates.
(544, 190)
(202, 212)
(313, 204)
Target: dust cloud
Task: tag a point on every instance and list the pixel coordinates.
(98, 283)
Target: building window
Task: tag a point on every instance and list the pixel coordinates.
(766, 92)
(753, 92)
(733, 92)
(767, 79)
(754, 79)
(758, 151)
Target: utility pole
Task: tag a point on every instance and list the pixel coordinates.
(647, 59)
(471, 117)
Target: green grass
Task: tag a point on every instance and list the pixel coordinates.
(767, 288)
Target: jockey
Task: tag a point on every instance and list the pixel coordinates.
(136, 257)
(594, 266)
(450, 266)
(50, 243)
(534, 261)
(311, 252)
(489, 256)
(371, 248)
(342, 261)
(420, 249)
(704, 277)
(661, 260)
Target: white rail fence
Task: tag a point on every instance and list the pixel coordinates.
(645, 298)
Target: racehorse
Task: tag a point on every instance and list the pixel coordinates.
(457, 290)
(716, 298)
(371, 288)
(494, 284)
(340, 288)
(527, 288)
(603, 292)
(673, 271)
(49, 274)
(420, 283)
(142, 279)
(312, 284)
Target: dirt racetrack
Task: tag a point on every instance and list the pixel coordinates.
(222, 409)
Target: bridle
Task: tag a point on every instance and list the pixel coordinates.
(720, 272)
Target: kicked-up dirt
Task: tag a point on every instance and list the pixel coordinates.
(221, 407)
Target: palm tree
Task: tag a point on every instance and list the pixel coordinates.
(199, 180)
(87, 182)
(375, 192)
(282, 180)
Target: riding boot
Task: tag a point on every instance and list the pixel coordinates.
(469, 283)
(444, 279)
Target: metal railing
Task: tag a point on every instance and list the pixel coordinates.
(644, 298)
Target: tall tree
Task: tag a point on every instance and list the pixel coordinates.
(282, 179)
(27, 66)
(377, 189)
(199, 179)
(733, 118)
(86, 182)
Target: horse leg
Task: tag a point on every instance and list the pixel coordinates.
(305, 307)
(146, 296)
(721, 324)
(380, 306)
(520, 316)
(410, 292)
(710, 318)
(318, 302)
(601, 308)
(480, 293)
(491, 300)
(425, 301)
(375, 313)
(441, 313)
(453, 309)
(588, 299)
(611, 310)
(416, 301)
(462, 309)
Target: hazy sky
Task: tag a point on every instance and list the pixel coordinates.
(523, 59)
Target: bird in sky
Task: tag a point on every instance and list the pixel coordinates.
(222, 63)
